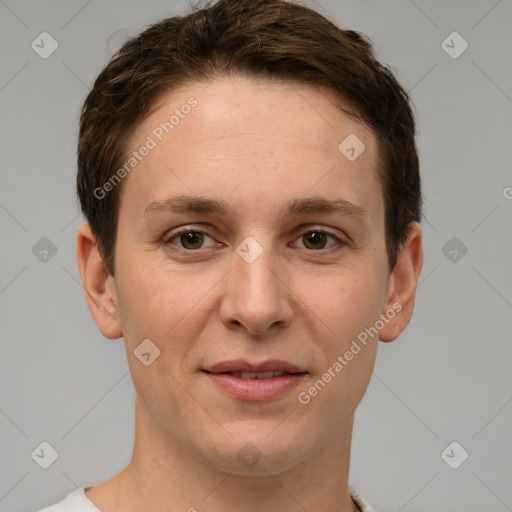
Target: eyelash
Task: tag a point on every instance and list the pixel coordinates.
(340, 244)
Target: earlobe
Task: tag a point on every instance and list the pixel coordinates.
(403, 284)
(98, 285)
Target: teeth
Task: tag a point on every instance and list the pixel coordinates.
(264, 375)
(247, 375)
(257, 375)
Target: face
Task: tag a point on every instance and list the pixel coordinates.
(251, 252)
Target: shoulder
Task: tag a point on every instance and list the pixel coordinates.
(360, 501)
(77, 501)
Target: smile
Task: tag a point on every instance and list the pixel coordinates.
(255, 382)
(256, 375)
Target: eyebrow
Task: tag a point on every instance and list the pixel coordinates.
(322, 205)
(195, 204)
(192, 204)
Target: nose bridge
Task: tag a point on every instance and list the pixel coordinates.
(255, 296)
(253, 263)
(256, 275)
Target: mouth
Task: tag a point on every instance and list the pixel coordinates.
(250, 369)
(256, 382)
(255, 375)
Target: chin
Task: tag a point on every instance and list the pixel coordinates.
(259, 448)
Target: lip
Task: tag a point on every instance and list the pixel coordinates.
(242, 365)
(255, 390)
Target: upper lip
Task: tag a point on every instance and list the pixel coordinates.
(241, 365)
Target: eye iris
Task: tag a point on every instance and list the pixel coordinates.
(315, 240)
(192, 239)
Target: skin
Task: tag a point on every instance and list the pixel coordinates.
(256, 147)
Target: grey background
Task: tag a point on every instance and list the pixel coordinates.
(446, 379)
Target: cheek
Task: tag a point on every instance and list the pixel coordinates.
(164, 307)
(152, 298)
(168, 307)
(347, 307)
(346, 304)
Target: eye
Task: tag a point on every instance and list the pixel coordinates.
(189, 239)
(318, 239)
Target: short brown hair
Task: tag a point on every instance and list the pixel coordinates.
(262, 39)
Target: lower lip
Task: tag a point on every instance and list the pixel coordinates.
(256, 390)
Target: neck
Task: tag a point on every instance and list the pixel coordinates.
(162, 476)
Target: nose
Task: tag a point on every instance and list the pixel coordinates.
(256, 299)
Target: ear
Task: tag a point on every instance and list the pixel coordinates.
(98, 285)
(402, 285)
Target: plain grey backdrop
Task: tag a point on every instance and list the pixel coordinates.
(448, 377)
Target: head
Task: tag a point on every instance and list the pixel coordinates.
(250, 181)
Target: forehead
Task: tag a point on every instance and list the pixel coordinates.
(268, 141)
